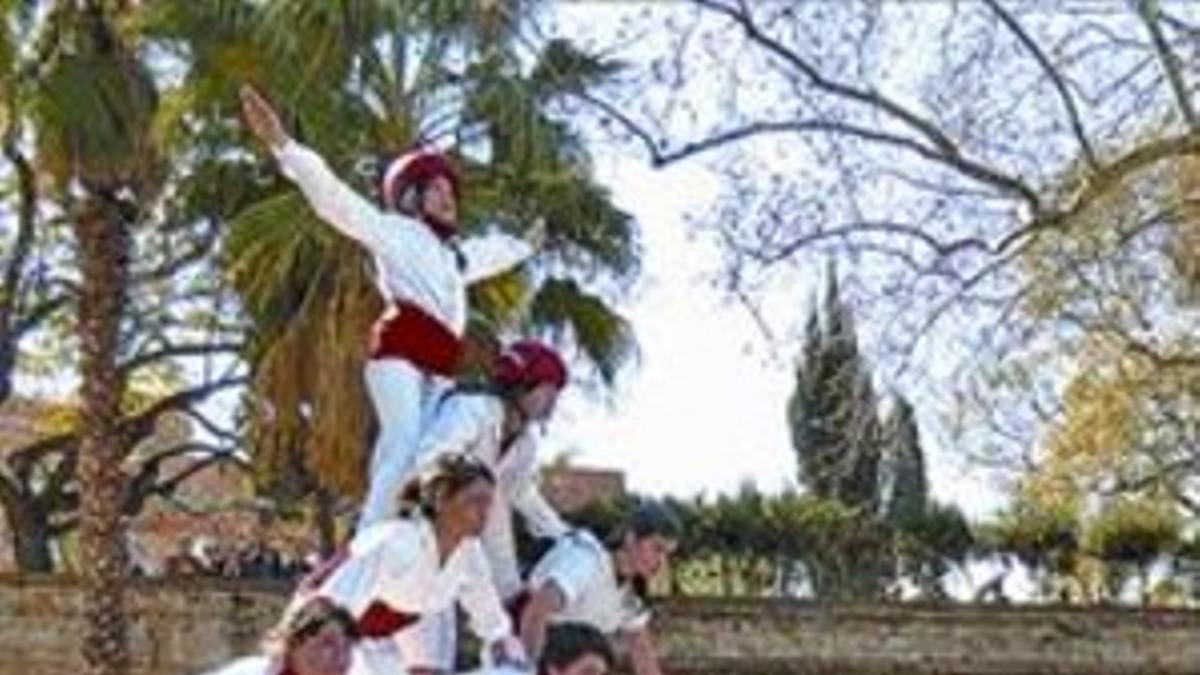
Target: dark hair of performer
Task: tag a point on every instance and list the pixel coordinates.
(454, 493)
(643, 544)
(316, 638)
(576, 649)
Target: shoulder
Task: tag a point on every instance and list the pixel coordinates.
(392, 534)
(577, 548)
(585, 540)
(482, 406)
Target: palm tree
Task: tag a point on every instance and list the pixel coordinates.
(93, 113)
(89, 118)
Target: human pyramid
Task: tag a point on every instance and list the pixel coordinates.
(450, 464)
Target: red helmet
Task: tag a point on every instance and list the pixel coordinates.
(529, 363)
(414, 168)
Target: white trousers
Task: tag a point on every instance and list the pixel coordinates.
(401, 396)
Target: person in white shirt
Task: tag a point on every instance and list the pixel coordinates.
(582, 580)
(492, 425)
(422, 273)
(422, 563)
(315, 637)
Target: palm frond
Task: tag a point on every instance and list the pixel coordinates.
(605, 337)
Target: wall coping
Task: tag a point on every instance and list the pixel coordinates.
(708, 606)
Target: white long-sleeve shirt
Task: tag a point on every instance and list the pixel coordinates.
(397, 562)
(411, 262)
(582, 569)
(473, 424)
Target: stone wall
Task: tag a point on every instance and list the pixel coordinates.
(182, 627)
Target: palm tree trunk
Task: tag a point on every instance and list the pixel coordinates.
(103, 250)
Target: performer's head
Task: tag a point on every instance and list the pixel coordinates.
(422, 183)
(575, 649)
(646, 540)
(530, 375)
(315, 637)
(454, 492)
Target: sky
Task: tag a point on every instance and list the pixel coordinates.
(703, 409)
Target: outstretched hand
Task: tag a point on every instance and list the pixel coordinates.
(261, 118)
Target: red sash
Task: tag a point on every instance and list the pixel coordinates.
(378, 620)
(415, 335)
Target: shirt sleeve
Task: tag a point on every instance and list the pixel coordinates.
(478, 596)
(635, 615)
(571, 565)
(493, 253)
(542, 519)
(388, 235)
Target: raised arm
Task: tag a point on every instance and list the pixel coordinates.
(334, 201)
(488, 255)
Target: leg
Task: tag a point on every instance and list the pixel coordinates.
(396, 391)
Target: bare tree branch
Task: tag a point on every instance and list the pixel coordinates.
(1055, 76)
(132, 430)
(14, 270)
(200, 248)
(941, 249)
(148, 483)
(1099, 182)
(943, 149)
(38, 314)
(174, 351)
(208, 425)
(1148, 11)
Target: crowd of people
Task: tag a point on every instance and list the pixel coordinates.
(250, 560)
(450, 465)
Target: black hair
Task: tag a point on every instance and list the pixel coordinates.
(566, 643)
(447, 476)
(645, 519)
(305, 620)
